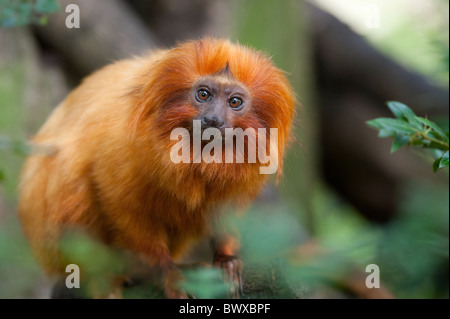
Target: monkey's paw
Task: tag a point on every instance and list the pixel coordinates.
(232, 268)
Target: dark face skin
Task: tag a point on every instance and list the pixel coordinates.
(219, 99)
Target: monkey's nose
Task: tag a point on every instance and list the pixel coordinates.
(212, 121)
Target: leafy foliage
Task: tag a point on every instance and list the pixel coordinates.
(205, 283)
(412, 251)
(19, 273)
(98, 263)
(16, 147)
(22, 12)
(409, 129)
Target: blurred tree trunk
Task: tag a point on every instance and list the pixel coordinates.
(281, 31)
(109, 30)
(355, 80)
(345, 58)
(173, 21)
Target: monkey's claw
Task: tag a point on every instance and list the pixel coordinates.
(232, 268)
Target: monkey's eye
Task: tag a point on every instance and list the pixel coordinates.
(235, 103)
(203, 95)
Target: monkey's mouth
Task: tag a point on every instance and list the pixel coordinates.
(212, 134)
(206, 135)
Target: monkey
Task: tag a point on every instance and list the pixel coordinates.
(109, 170)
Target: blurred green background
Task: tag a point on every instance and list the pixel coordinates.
(344, 201)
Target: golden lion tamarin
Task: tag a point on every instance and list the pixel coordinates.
(110, 171)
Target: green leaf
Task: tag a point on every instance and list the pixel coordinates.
(205, 283)
(434, 127)
(2, 175)
(374, 123)
(8, 18)
(437, 146)
(399, 141)
(401, 111)
(436, 164)
(43, 20)
(436, 153)
(386, 133)
(444, 161)
(417, 140)
(21, 148)
(46, 6)
(399, 126)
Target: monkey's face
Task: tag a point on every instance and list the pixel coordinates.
(217, 86)
(219, 101)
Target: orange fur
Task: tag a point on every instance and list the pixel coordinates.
(111, 172)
